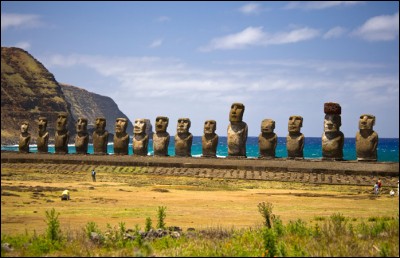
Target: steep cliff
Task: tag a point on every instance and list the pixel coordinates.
(29, 90)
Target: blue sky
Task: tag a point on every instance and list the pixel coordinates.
(194, 59)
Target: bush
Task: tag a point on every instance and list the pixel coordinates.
(53, 225)
(266, 211)
(161, 217)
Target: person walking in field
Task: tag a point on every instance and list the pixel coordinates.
(376, 188)
(93, 175)
(65, 196)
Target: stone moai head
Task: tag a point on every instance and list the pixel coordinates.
(366, 122)
(81, 125)
(120, 125)
(183, 125)
(161, 124)
(42, 123)
(295, 123)
(62, 121)
(333, 120)
(24, 127)
(236, 112)
(267, 126)
(100, 124)
(210, 126)
(140, 126)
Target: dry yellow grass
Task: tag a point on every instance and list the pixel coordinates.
(191, 202)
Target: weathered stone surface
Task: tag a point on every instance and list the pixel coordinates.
(161, 136)
(209, 140)
(295, 139)
(42, 140)
(62, 134)
(100, 137)
(82, 136)
(332, 138)
(237, 132)
(140, 138)
(183, 138)
(366, 139)
(24, 137)
(121, 138)
(267, 140)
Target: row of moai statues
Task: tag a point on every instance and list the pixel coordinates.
(332, 138)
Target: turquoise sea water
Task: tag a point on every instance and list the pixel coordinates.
(388, 148)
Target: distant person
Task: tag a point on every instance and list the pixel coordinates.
(376, 188)
(93, 175)
(391, 193)
(65, 195)
(379, 184)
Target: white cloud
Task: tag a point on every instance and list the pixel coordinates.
(9, 20)
(251, 8)
(24, 45)
(319, 5)
(156, 43)
(335, 32)
(163, 19)
(255, 36)
(379, 28)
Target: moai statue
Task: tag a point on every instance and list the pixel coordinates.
(82, 136)
(332, 138)
(62, 134)
(295, 139)
(267, 140)
(161, 137)
(140, 138)
(366, 139)
(43, 137)
(24, 138)
(209, 141)
(183, 138)
(121, 138)
(100, 137)
(237, 132)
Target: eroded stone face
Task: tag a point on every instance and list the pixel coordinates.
(24, 137)
(82, 137)
(140, 138)
(183, 138)
(100, 137)
(42, 140)
(121, 138)
(161, 137)
(267, 140)
(366, 139)
(237, 132)
(209, 140)
(62, 134)
(332, 138)
(295, 139)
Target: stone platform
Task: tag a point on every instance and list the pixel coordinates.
(280, 169)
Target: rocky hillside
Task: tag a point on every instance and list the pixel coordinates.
(29, 90)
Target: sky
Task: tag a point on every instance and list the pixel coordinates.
(194, 59)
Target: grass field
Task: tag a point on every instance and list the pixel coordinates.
(199, 203)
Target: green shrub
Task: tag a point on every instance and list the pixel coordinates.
(53, 225)
(148, 224)
(270, 242)
(266, 211)
(161, 217)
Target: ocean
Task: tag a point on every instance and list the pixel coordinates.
(388, 148)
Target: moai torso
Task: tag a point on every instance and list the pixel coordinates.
(209, 141)
(183, 138)
(121, 138)
(366, 139)
(82, 137)
(140, 138)
(100, 137)
(295, 139)
(332, 138)
(267, 140)
(24, 138)
(237, 132)
(62, 135)
(161, 137)
(42, 140)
